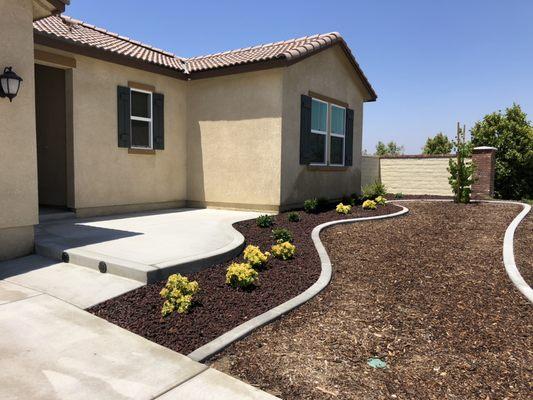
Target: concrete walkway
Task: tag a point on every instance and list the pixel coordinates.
(145, 246)
(51, 349)
(79, 286)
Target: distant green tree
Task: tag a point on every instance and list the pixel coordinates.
(389, 149)
(512, 135)
(461, 171)
(439, 144)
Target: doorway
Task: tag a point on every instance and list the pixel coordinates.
(51, 126)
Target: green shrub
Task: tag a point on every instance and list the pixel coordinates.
(265, 221)
(282, 235)
(342, 209)
(311, 206)
(178, 293)
(284, 251)
(398, 195)
(254, 256)
(380, 200)
(294, 217)
(374, 190)
(369, 205)
(241, 275)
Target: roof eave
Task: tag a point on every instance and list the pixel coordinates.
(283, 62)
(45, 8)
(50, 40)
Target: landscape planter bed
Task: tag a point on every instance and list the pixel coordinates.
(219, 307)
(427, 293)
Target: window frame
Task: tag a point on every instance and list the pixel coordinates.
(337, 135)
(329, 134)
(144, 119)
(317, 132)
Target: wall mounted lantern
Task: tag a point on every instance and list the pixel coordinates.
(9, 84)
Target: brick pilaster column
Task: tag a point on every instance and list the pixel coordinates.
(484, 158)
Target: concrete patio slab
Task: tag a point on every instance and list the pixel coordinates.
(212, 384)
(80, 286)
(146, 246)
(53, 350)
(10, 292)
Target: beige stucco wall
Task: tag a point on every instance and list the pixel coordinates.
(370, 170)
(328, 73)
(18, 162)
(107, 177)
(234, 140)
(416, 175)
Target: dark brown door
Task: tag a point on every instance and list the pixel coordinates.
(50, 106)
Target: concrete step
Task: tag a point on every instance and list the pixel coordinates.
(147, 247)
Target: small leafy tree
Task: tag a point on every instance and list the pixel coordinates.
(439, 144)
(512, 135)
(461, 171)
(389, 149)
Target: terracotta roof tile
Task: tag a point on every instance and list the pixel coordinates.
(70, 29)
(75, 31)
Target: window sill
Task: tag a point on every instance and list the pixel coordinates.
(327, 168)
(140, 151)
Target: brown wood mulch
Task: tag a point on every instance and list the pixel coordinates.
(523, 245)
(219, 307)
(427, 293)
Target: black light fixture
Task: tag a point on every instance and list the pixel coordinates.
(9, 84)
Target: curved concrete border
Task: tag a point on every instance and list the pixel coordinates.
(508, 243)
(508, 251)
(247, 327)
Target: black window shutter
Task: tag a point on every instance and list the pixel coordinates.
(348, 153)
(123, 96)
(158, 110)
(305, 130)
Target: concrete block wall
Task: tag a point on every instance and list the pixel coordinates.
(417, 174)
(428, 175)
(370, 170)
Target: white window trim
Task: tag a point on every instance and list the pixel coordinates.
(324, 133)
(343, 136)
(149, 120)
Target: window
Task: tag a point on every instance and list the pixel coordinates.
(141, 119)
(337, 135)
(319, 132)
(328, 128)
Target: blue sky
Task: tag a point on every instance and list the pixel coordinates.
(431, 63)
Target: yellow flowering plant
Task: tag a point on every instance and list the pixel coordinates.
(369, 205)
(380, 200)
(284, 251)
(254, 256)
(178, 294)
(241, 275)
(343, 209)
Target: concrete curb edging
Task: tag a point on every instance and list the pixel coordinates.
(247, 327)
(508, 244)
(508, 253)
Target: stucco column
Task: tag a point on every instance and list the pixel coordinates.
(18, 157)
(484, 158)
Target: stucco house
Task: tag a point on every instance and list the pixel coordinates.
(105, 124)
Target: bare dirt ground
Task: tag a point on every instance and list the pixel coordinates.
(427, 293)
